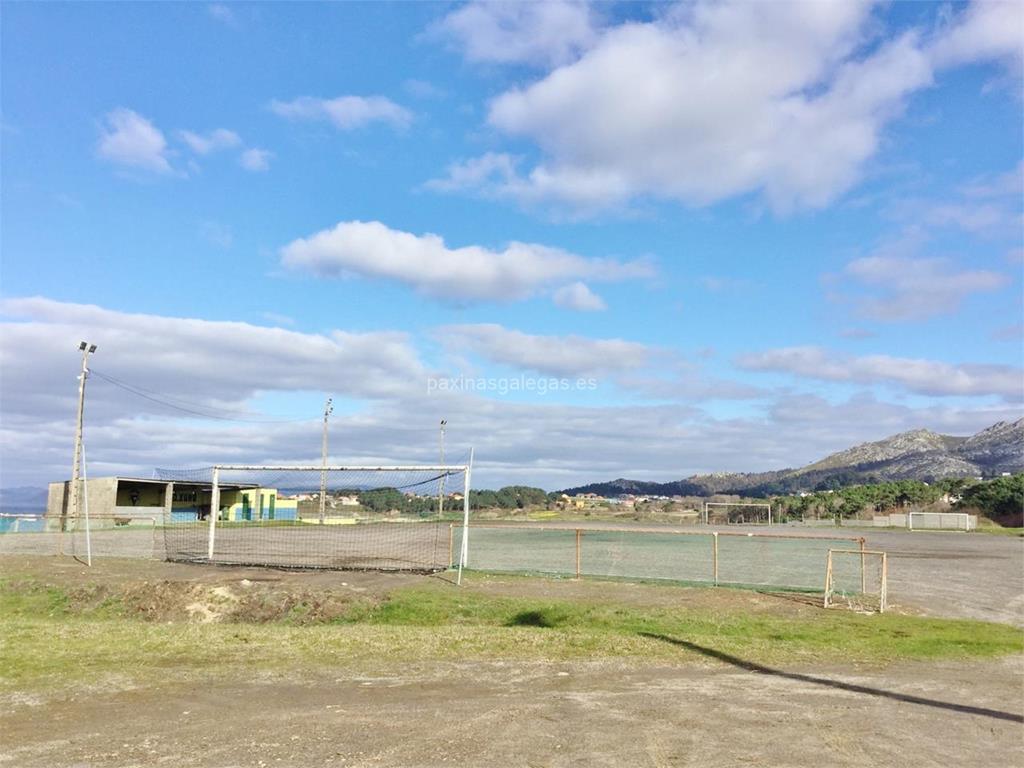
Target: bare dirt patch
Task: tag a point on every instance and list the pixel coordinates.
(540, 714)
(161, 591)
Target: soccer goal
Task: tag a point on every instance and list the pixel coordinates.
(857, 579)
(336, 517)
(941, 521)
(736, 513)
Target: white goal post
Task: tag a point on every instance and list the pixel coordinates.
(941, 521)
(437, 471)
(857, 578)
(709, 504)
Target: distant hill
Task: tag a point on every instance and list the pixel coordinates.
(916, 455)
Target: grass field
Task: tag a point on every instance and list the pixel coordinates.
(142, 662)
(59, 632)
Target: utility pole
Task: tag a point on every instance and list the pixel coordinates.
(73, 500)
(328, 410)
(440, 490)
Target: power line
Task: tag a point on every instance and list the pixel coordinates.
(190, 408)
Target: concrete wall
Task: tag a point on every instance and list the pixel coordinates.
(101, 491)
(930, 521)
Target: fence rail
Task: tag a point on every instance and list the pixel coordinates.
(784, 561)
(712, 557)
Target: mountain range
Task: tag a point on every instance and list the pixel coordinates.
(916, 455)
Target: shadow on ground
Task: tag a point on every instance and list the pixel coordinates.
(853, 688)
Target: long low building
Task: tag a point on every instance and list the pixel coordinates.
(128, 499)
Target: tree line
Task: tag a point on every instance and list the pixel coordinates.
(381, 500)
(996, 498)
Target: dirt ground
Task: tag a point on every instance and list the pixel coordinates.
(708, 710)
(534, 714)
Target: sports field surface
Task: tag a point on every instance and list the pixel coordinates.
(141, 662)
(947, 573)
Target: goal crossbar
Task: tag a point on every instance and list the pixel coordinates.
(450, 468)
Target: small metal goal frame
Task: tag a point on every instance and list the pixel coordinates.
(864, 554)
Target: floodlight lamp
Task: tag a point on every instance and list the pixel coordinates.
(82, 345)
(92, 348)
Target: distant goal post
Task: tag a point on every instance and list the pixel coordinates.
(941, 521)
(747, 512)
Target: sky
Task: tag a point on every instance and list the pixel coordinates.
(600, 240)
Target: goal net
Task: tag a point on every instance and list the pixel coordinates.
(365, 518)
(737, 513)
(856, 579)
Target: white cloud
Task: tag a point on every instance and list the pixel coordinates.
(217, 234)
(1013, 332)
(711, 101)
(579, 297)
(130, 140)
(494, 171)
(423, 89)
(548, 355)
(200, 360)
(714, 101)
(345, 112)
(989, 205)
(903, 288)
(204, 144)
(987, 29)
(1008, 184)
(255, 159)
(387, 416)
(221, 12)
(927, 377)
(550, 32)
(977, 218)
(428, 265)
(857, 334)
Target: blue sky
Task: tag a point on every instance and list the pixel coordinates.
(741, 235)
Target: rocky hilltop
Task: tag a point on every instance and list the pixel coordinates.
(916, 455)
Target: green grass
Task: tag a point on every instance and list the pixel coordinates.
(997, 530)
(50, 637)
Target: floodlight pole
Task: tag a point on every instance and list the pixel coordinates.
(440, 489)
(85, 494)
(328, 410)
(73, 502)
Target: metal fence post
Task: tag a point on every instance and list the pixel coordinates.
(714, 538)
(863, 578)
(579, 537)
